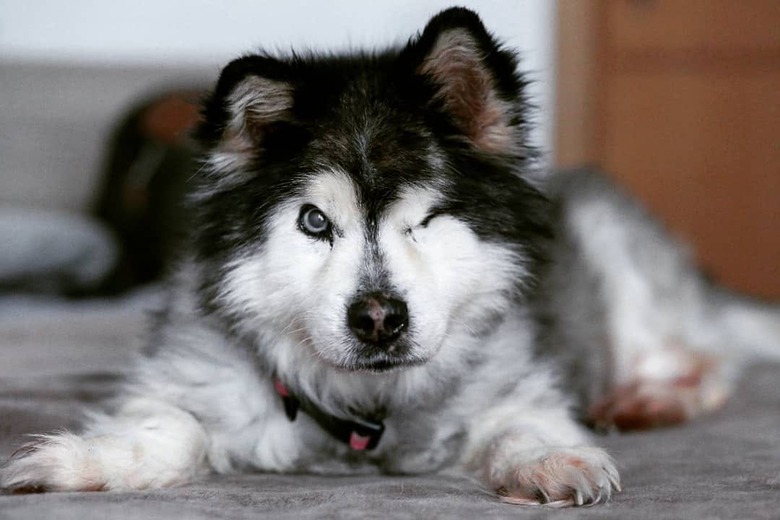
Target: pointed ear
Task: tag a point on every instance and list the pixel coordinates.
(474, 80)
(252, 94)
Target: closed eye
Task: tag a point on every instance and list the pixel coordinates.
(430, 216)
(425, 221)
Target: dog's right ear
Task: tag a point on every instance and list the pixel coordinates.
(253, 93)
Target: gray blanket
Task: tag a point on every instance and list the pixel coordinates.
(57, 357)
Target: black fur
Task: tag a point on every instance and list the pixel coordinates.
(338, 97)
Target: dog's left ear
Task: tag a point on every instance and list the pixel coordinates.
(473, 79)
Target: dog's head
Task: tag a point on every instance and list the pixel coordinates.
(371, 206)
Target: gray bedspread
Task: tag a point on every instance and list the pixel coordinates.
(57, 357)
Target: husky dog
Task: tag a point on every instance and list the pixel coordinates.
(379, 279)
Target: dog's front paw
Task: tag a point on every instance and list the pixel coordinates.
(148, 445)
(558, 477)
(67, 462)
(59, 462)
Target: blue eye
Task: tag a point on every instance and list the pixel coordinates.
(313, 222)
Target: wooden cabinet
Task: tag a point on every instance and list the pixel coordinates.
(680, 101)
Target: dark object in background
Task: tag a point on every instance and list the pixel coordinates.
(149, 163)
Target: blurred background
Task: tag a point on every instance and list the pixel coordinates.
(679, 101)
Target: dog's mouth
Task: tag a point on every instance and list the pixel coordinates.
(383, 365)
(358, 356)
(381, 358)
(373, 362)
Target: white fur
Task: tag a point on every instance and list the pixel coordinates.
(636, 323)
(146, 444)
(525, 442)
(448, 277)
(289, 296)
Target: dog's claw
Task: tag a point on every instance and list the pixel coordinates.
(580, 476)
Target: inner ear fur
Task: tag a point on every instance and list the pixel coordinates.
(251, 94)
(254, 104)
(475, 80)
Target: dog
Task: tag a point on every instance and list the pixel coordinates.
(381, 278)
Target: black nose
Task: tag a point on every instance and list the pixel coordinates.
(379, 319)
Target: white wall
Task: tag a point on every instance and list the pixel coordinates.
(215, 30)
(211, 32)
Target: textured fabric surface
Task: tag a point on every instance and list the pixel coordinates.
(55, 358)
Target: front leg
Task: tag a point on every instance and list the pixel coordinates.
(539, 456)
(145, 444)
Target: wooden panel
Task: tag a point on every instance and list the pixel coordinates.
(679, 100)
(682, 25)
(577, 69)
(702, 150)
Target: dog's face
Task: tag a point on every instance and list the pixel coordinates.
(371, 207)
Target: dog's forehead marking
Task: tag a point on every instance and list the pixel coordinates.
(413, 204)
(388, 236)
(337, 194)
(334, 193)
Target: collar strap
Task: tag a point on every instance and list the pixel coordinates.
(359, 433)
